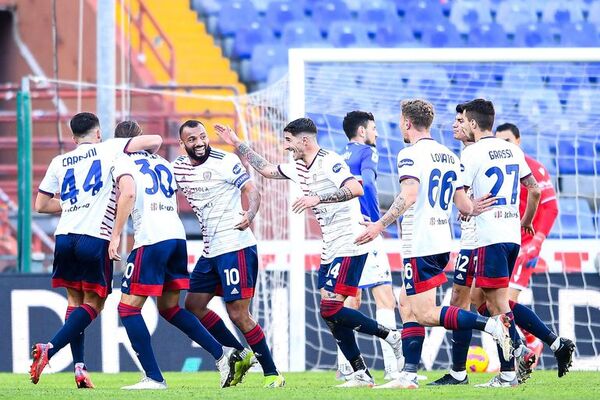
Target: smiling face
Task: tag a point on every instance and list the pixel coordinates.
(195, 141)
(294, 144)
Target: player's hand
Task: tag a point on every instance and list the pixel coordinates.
(245, 222)
(372, 230)
(227, 134)
(483, 204)
(113, 248)
(305, 202)
(527, 228)
(464, 218)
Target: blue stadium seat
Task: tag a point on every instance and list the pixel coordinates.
(535, 35)
(327, 11)
(249, 36)
(562, 12)
(301, 34)
(276, 73)
(440, 35)
(488, 35)
(376, 13)
(540, 105)
(264, 57)
(580, 34)
(234, 14)
(594, 13)
(522, 77)
(466, 14)
(575, 157)
(348, 34)
(279, 13)
(583, 105)
(393, 35)
(512, 13)
(415, 12)
(206, 7)
(386, 164)
(575, 218)
(428, 80)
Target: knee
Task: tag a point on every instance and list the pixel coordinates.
(426, 317)
(239, 316)
(329, 308)
(195, 308)
(353, 302)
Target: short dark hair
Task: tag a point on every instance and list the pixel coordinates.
(507, 126)
(81, 124)
(354, 119)
(419, 112)
(190, 123)
(301, 125)
(480, 110)
(127, 129)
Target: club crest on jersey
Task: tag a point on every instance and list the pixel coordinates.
(337, 167)
(207, 175)
(405, 162)
(237, 168)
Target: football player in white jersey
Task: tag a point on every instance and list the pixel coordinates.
(429, 176)
(83, 179)
(213, 181)
(157, 265)
(331, 191)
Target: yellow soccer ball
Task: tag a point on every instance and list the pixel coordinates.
(477, 359)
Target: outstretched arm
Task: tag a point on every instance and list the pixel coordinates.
(349, 190)
(258, 162)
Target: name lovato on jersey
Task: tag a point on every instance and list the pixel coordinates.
(442, 158)
(75, 159)
(496, 154)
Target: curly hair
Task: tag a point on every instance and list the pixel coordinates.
(419, 112)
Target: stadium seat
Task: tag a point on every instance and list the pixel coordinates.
(393, 35)
(594, 13)
(279, 13)
(512, 13)
(562, 12)
(248, 36)
(440, 35)
(206, 7)
(540, 105)
(348, 34)
(580, 34)
(576, 219)
(276, 73)
(583, 105)
(327, 11)
(301, 34)
(465, 14)
(430, 81)
(264, 57)
(536, 35)
(488, 35)
(235, 14)
(415, 12)
(376, 13)
(521, 77)
(575, 157)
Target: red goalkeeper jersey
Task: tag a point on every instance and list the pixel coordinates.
(548, 207)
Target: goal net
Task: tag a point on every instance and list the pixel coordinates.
(553, 97)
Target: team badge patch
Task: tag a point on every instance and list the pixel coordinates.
(237, 168)
(207, 175)
(405, 162)
(337, 167)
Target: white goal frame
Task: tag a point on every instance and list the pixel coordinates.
(297, 60)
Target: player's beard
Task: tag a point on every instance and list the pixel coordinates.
(191, 152)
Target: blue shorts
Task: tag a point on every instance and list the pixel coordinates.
(495, 263)
(230, 275)
(342, 275)
(424, 273)
(81, 262)
(155, 268)
(464, 269)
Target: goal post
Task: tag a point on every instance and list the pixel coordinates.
(552, 94)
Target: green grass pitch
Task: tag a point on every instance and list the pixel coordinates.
(308, 385)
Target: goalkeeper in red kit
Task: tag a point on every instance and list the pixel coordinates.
(542, 224)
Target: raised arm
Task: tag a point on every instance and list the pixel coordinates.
(409, 189)
(125, 204)
(149, 143)
(253, 195)
(533, 200)
(258, 162)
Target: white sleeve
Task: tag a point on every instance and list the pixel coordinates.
(117, 146)
(467, 175)
(524, 169)
(289, 171)
(336, 169)
(50, 184)
(123, 166)
(408, 165)
(235, 173)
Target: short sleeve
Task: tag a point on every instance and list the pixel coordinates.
(336, 169)
(117, 146)
(289, 171)
(369, 159)
(235, 173)
(123, 166)
(50, 184)
(524, 169)
(408, 165)
(467, 174)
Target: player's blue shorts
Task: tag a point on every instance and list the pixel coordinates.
(81, 262)
(155, 268)
(342, 275)
(424, 273)
(230, 275)
(464, 269)
(495, 263)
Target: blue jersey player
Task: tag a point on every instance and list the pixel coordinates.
(361, 156)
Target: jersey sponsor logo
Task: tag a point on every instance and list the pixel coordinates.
(237, 168)
(207, 175)
(337, 167)
(405, 162)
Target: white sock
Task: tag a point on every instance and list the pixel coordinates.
(555, 345)
(508, 376)
(387, 318)
(79, 365)
(458, 375)
(343, 364)
(490, 326)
